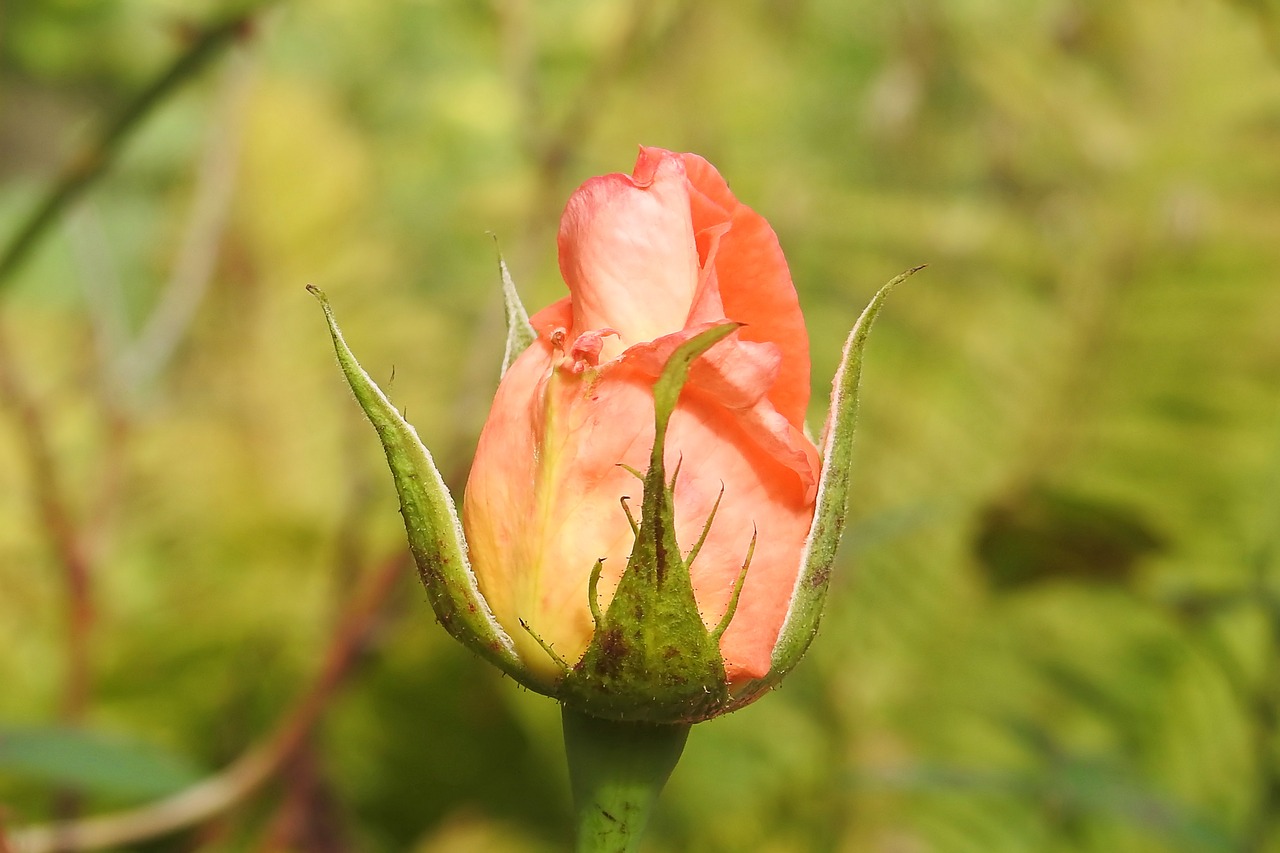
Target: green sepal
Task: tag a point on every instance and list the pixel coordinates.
(651, 658)
(430, 520)
(810, 592)
(519, 333)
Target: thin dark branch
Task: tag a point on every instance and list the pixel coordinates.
(98, 154)
(254, 767)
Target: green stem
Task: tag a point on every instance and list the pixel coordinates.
(99, 153)
(616, 770)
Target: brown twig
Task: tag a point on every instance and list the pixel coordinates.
(60, 528)
(247, 773)
(309, 820)
(294, 821)
(4, 836)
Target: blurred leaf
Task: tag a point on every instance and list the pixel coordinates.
(93, 761)
(1042, 534)
(881, 528)
(1074, 786)
(1195, 605)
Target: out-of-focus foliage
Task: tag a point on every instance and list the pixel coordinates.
(1056, 626)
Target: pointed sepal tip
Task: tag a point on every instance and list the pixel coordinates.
(430, 518)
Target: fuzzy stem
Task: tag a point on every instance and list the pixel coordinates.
(617, 770)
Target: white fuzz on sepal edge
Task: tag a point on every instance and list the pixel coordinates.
(809, 594)
(519, 333)
(431, 521)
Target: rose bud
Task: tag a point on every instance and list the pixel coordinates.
(649, 531)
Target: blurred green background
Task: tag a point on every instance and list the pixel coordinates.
(1056, 624)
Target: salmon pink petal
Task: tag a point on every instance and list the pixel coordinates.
(542, 501)
(762, 495)
(628, 254)
(652, 259)
(737, 374)
(503, 494)
(707, 305)
(754, 281)
(557, 315)
(585, 351)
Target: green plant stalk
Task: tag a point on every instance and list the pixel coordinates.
(96, 156)
(617, 770)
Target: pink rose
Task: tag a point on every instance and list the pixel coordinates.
(651, 259)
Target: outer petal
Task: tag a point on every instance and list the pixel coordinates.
(628, 254)
(557, 315)
(754, 282)
(544, 503)
(501, 494)
(656, 256)
(738, 375)
(761, 494)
